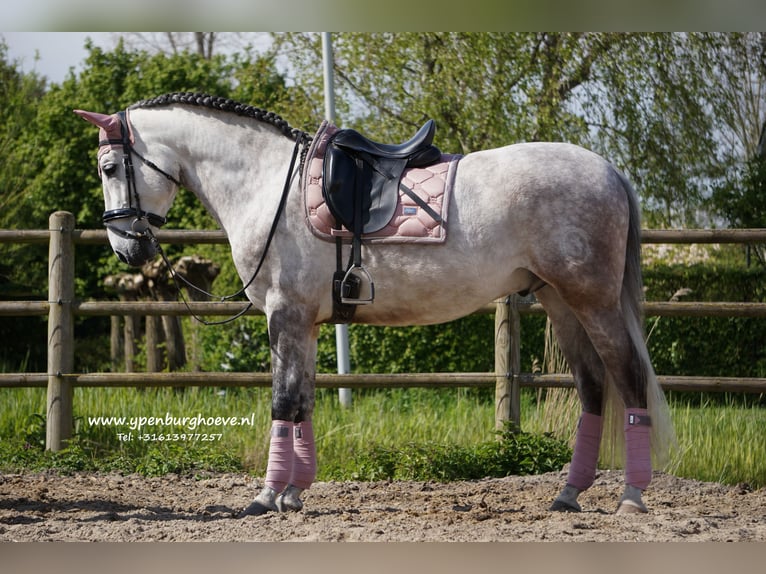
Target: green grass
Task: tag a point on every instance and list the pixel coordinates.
(721, 441)
(721, 437)
(401, 434)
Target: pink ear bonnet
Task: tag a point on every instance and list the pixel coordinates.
(110, 129)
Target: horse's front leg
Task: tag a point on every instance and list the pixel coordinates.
(291, 467)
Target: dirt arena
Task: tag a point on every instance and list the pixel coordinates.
(111, 507)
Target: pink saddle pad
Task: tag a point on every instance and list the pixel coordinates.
(410, 222)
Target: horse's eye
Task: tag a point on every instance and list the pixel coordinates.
(109, 169)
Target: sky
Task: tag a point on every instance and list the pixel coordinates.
(57, 51)
(53, 54)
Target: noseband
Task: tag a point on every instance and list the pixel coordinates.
(134, 203)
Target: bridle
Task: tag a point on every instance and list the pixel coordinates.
(134, 202)
(134, 210)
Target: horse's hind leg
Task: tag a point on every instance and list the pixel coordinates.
(291, 465)
(629, 370)
(588, 372)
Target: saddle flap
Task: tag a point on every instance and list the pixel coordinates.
(339, 176)
(348, 179)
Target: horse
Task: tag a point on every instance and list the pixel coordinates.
(550, 218)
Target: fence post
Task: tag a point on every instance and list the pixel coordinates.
(507, 363)
(60, 329)
(116, 351)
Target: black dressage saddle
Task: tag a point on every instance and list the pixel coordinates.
(361, 176)
(360, 184)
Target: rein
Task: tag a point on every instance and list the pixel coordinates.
(178, 279)
(158, 220)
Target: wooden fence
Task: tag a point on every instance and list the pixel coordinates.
(507, 378)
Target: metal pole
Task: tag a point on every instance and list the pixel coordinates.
(329, 88)
(341, 331)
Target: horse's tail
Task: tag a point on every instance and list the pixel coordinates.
(663, 438)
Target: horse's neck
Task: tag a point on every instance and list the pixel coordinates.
(236, 166)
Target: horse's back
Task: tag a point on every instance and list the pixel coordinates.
(536, 187)
(553, 167)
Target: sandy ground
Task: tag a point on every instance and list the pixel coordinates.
(111, 507)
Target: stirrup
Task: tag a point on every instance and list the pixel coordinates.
(350, 286)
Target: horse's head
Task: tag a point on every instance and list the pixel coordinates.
(136, 196)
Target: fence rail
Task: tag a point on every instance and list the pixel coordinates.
(363, 381)
(507, 378)
(213, 309)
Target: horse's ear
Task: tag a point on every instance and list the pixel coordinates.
(100, 120)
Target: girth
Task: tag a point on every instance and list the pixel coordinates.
(360, 184)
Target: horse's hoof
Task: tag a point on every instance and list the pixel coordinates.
(628, 506)
(631, 502)
(565, 506)
(256, 509)
(289, 500)
(566, 501)
(263, 503)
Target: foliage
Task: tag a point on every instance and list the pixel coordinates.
(49, 164)
(240, 347)
(19, 93)
(744, 204)
(157, 459)
(707, 346)
(460, 346)
(514, 453)
(677, 112)
(483, 89)
(463, 346)
(743, 201)
(656, 124)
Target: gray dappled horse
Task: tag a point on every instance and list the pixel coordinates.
(549, 218)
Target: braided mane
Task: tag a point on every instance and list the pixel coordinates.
(226, 105)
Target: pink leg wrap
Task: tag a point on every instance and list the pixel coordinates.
(280, 464)
(305, 460)
(582, 471)
(638, 462)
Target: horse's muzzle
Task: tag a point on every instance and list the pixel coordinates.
(134, 250)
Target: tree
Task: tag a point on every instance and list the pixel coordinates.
(20, 94)
(49, 162)
(739, 198)
(24, 337)
(743, 201)
(204, 44)
(483, 90)
(652, 103)
(738, 96)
